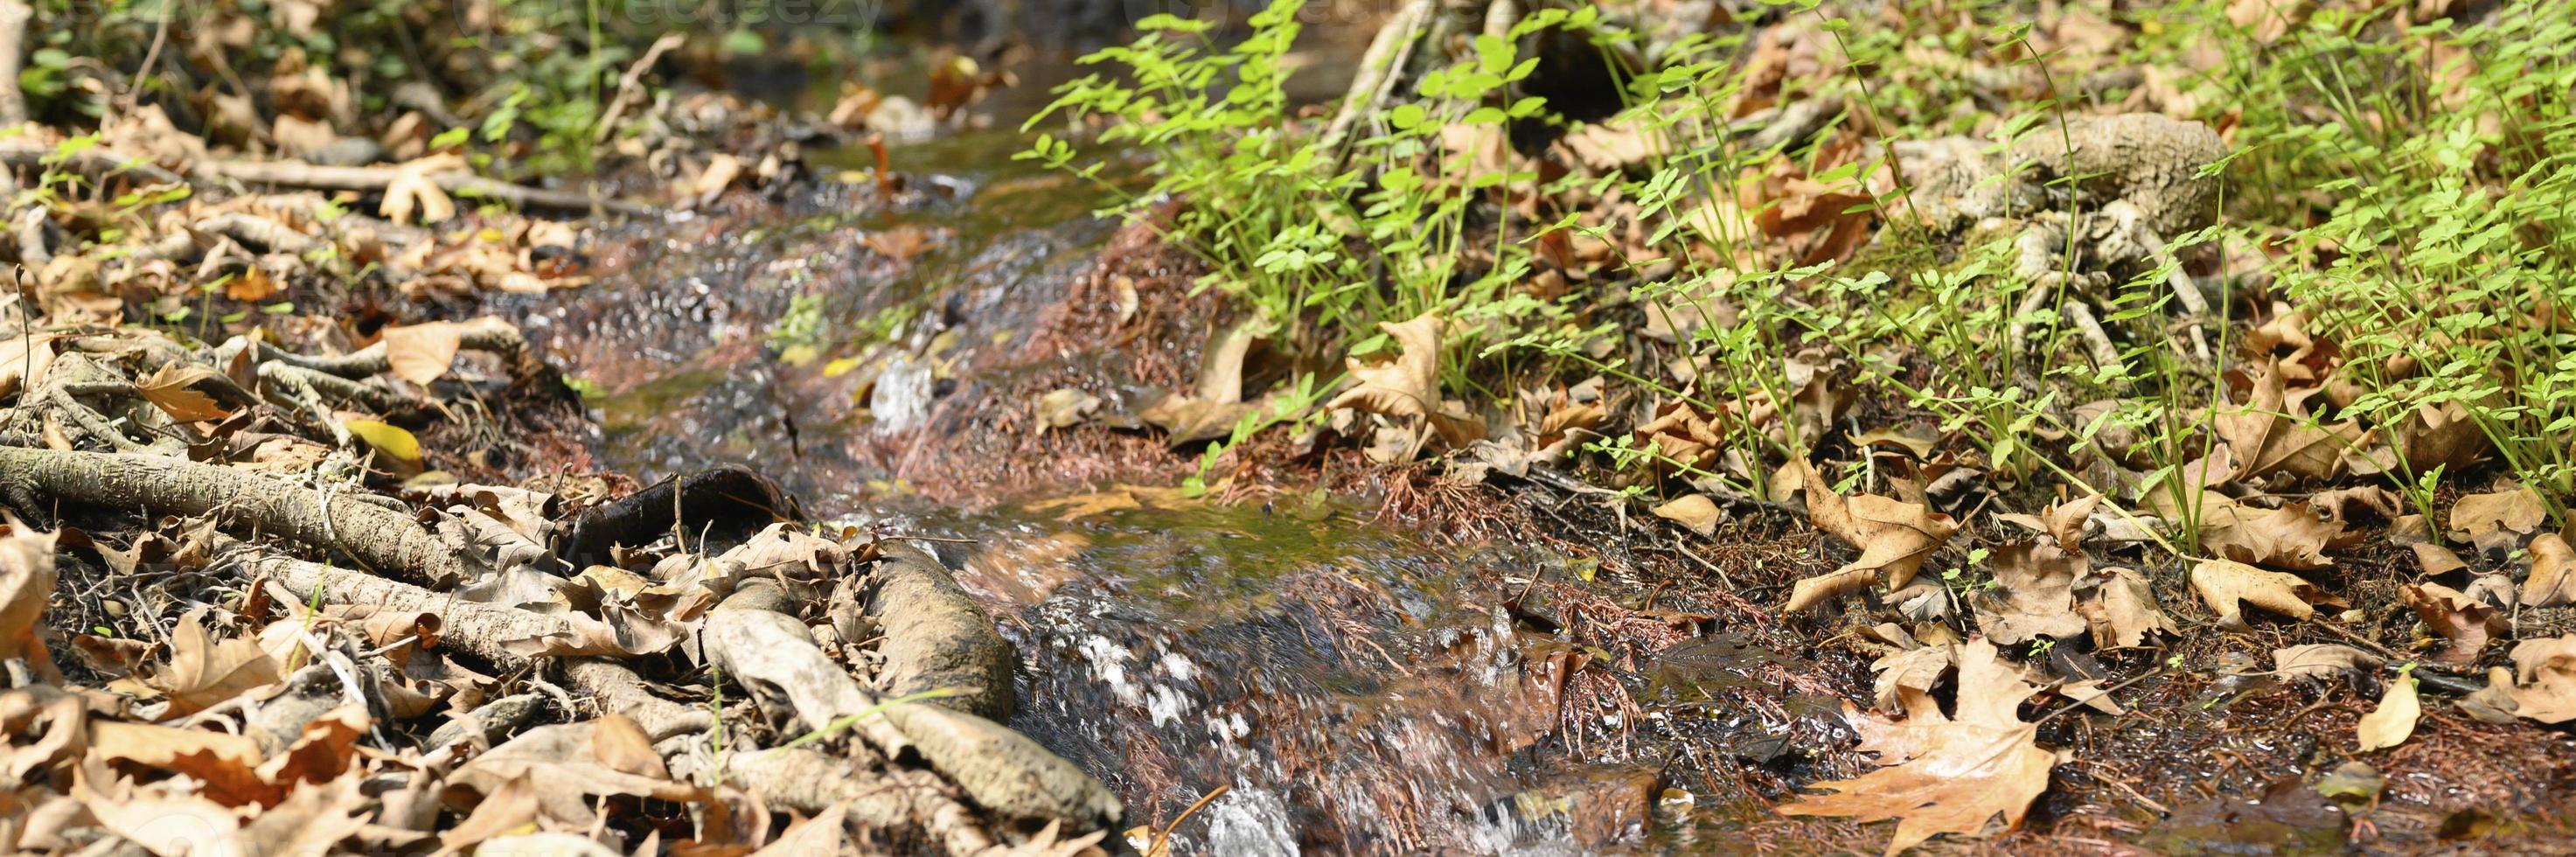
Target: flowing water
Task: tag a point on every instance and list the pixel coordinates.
(1352, 686)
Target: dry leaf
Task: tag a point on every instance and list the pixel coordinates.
(2123, 610)
(2496, 522)
(2223, 584)
(1946, 774)
(1894, 537)
(203, 672)
(2295, 536)
(2544, 679)
(2036, 597)
(2467, 623)
(1065, 407)
(561, 761)
(1916, 670)
(2553, 573)
(23, 360)
(2394, 719)
(2322, 661)
(1216, 405)
(168, 389)
(1695, 511)
(2272, 435)
(415, 188)
(821, 834)
(1409, 384)
(420, 353)
(27, 577)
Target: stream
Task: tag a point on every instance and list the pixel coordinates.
(1354, 687)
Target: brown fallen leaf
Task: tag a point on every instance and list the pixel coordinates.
(2323, 661)
(24, 359)
(421, 353)
(2394, 719)
(2295, 536)
(1916, 670)
(1409, 384)
(2036, 593)
(1695, 511)
(2496, 522)
(2543, 681)
(2553, 573)
(415, 188)
(27, 578)
(203, 672)
(1894, 538)
(2226, 585)
(2123, 610)
(1946, 774)
(1216, 405)
(2271, 434)
(562, 762)
(1065, 407)
(2467, 623)
(168, 389)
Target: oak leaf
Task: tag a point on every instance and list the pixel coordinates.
(2553, 573)
(2036, 596)
(2464, 621)
(1946, 774)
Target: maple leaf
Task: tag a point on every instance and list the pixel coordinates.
(1945, 774)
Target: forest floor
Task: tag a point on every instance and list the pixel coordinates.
(2047, 429)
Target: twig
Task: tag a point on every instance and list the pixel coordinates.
(1166, 833)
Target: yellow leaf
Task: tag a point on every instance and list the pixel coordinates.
(387, 438)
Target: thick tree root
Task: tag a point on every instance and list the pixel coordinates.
(382, 540)
(1000, 770)
(937, 637)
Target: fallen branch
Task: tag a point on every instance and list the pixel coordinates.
(381, 539)
(96, 162)
(376, 179)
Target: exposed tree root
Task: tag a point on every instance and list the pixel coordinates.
(383, 540)
(376, 179)
(1000, 770)
(936, 636)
